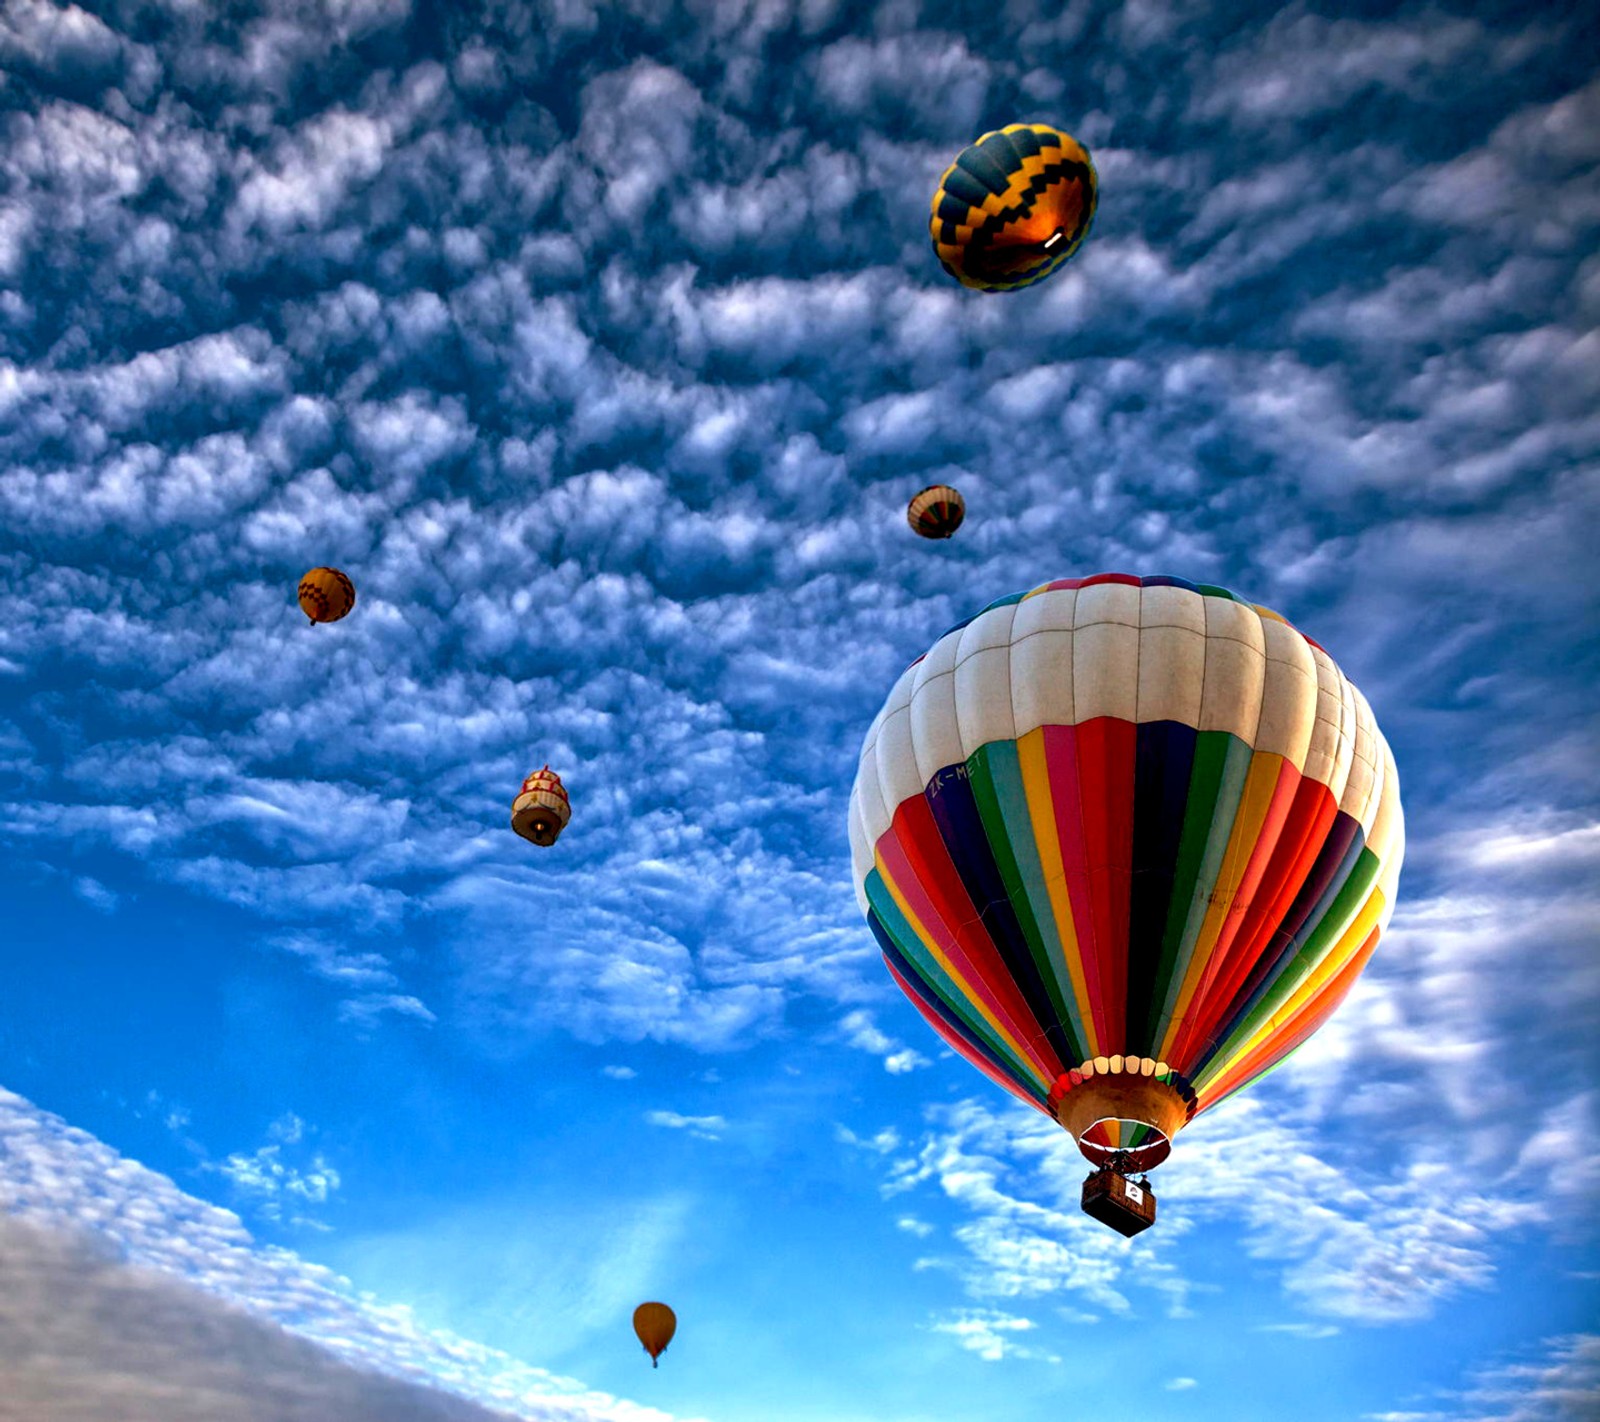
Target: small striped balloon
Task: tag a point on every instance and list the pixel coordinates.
(936, 512)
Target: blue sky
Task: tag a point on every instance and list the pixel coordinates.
(603, 347)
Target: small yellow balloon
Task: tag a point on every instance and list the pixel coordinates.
(326, 595)
(655, 1324)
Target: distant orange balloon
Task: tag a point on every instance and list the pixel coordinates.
(655, 1324)
(326, 595)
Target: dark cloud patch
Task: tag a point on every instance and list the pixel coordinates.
(86, 1337)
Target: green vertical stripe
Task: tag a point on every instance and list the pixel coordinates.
(995, 774)
(1216, 783)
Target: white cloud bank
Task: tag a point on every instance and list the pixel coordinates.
(123, 1299)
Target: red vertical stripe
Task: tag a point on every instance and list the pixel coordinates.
(1091, 768)
(1107, 753)
(1066, 795)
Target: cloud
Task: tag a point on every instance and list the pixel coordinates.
(165, 1301)
(367, 1010)
(171, 1115)
(274, 1185)
(1281, 73)
(639, 129)
(931, 79)
(579, 477)
(91, 1339)
(860, 1031)
(364, 973)
(96, 894)
(619, 1073)
(1302, 1330)
(705, 1128)
(1561, 1383)
(58, 39)
(880, 1143)
(1348, 1245)
(1181, 1385)
(992, 1335)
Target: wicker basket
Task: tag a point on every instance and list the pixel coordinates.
(1115, 1200)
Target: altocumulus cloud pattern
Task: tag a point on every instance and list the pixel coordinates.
(604, 346)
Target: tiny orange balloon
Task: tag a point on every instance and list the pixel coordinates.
(326, 595)
(655, 1324)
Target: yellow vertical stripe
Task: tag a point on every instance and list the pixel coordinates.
(1041, 811)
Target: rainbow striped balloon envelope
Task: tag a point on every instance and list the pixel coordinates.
(1125, 843)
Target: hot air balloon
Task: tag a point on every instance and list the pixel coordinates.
(1125, 843)
(541, 810)
(1013, 207)
(655, 1324)
(936, 512)
(326, 595)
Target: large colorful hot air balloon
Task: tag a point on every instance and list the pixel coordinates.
(541, 810)
(936, 512)
(1013, 207)
(655, 1324)
(326, 595)
(1125, 843)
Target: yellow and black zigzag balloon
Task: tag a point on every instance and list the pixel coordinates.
(1013, 207)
